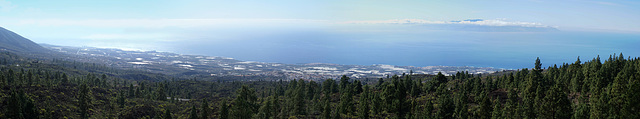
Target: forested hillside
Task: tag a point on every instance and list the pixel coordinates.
(61, 89)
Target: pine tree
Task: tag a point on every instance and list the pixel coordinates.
(575, 70)
(461, 106)
(131, 91)
(380, 82)
(20, 106)
(346, 102)
(363, 109)
(376, 103)
(619, 102)
(400, 105)
(266, 111)
(298, 99)
(582, 109)
(497, 110)
(137, 93)
(204, 109)
(511, 107)
(328, 86)
(161, 94)
(416, 110)
(415, 89)
(592, 76)
(597, 104)
(533, 92)
(121, 100)
(344, 83)
(11, 77)
(326, 109)
(29, 109)
(357, 87)
(485, 108)
(276, 106)
(632, 105)
(446, 107)
(14, 104)
(167, 114)
(387, 96)
(194, 113)
(245, 103)
(428, 110)
(556, 104)
(84, 101)
(224, 110)
(440, 78)
(539, 102)
(312, 90)
(29, 78)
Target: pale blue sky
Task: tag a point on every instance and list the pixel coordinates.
(91, 23)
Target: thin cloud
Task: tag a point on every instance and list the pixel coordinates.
(493, 22)
(156, 36)
(606, 3)
(6, 6)
(191, 23)
(155, 23)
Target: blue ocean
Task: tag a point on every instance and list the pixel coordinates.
(510, 50)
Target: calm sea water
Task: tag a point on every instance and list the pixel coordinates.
(482, 49)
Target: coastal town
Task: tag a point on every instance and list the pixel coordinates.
(224, 66)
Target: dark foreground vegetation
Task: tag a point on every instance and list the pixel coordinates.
(33, 88)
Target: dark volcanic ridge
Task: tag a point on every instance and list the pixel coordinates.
(12, 42)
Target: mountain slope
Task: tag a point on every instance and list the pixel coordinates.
(10, 41)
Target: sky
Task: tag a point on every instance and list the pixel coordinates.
(153, 24)
(111, 18)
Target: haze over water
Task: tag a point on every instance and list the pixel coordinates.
(482, 49)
